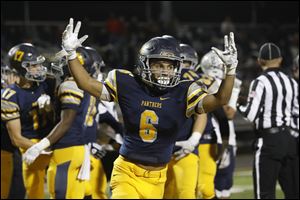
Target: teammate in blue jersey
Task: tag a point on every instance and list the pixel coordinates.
(26, 111)
(96, 186)
(212, 66)
(154, 105)
(69, 168)
(183, 168)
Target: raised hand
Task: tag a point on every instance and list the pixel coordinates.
(70, 41)
(229, 55)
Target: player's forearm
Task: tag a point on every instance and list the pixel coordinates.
(83, 79)
(224, 93)
(200, 123)
(22, 142)
(58, 132)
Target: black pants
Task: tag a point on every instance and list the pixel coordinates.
(276, 158)
(17, 189)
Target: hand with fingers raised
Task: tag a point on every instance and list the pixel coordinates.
(70, 41)
(229, 55)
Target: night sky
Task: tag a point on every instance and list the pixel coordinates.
(185, 11)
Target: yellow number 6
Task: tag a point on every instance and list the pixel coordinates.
(148, 132)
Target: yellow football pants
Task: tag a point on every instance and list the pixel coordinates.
(207, 170)
(6, 172)
(34, 175)
(182, 178)
(96, 186)
(129, 181)
(62, 173)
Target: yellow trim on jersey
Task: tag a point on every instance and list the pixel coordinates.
(125, 72)
(9, 116)
(196, 101)
(70, 99)
(8, 93)
(112, 87)
(194, 94)
(193, 74)
(63, 92)
(9, 102)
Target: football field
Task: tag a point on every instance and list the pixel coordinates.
(243, 184)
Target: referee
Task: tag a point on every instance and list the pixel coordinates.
(272, 103)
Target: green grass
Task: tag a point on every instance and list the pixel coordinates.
(243, 186)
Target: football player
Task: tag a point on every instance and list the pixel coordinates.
(7, 149)
(69, 168)
(26, 111)
(183, 167)
(96, 186)
(212, 66)
(147, 100)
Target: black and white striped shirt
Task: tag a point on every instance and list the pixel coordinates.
(272, 101)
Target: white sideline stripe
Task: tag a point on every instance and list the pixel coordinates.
(243, 188)
(243, 173)
(257, 157)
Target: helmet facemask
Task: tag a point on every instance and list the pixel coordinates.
(97, 68)
(35, 71)
(163, 78)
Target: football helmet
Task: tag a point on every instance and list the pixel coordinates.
(189, 54)
(159, 48)
(212, 65)
(5, 71)
(86, 59)
(59, 67)
(98, 62)
(26, 60)
(171, 38)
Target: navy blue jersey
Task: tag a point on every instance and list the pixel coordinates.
(71, 97)
(209, 136)
(5, 140)
(152, 121)
(90, 120)
(186, 130)
(22, 103)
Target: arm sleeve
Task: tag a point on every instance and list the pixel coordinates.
(9, 105)
(110, 84)
(70, 95)
(235, 93)
(196, 92)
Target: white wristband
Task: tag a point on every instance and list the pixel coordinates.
(232, 69)
(72, 55)
(195, 138)
(43, 144)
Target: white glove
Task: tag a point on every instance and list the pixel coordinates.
(35, 150)
(229, 55)
(43, 101)
(119, 138)
(70, 41)
(224, 161)
(97, 150)
(187, 146)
